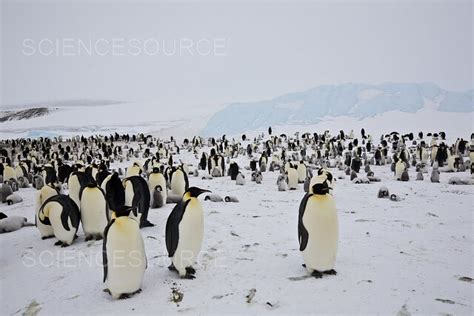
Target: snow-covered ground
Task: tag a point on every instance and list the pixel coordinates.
(411, 256)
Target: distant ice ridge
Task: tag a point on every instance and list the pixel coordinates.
(357, 101)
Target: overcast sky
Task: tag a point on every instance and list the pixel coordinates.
(198, 53)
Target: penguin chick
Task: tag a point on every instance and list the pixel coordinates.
(213, 198)
(231, 199)
(14, 198)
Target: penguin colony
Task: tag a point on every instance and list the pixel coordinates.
(77, 185)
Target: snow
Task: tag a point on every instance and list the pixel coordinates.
(393, 256)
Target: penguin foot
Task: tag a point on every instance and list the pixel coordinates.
(124, 296)
(171, 267)
(47, 237)
(58, 243)
(304, 265)
(330, 272)
(190, 270)
(75, 237)
(89, 238)
(188, 276)
(107, 291)
(64, 245)
(98, 237)
(317, 274)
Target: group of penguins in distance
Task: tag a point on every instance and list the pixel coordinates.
(76, 185)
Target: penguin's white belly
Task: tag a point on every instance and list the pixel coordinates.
(9, 173)
(126, 260)
(104, 183)
(320, 220)
(399, 168)
(434, 151)
(61, 234)
(178, 184)
(129, 193)
(191, 232)
(301, 173)
(93, 212)
(451, 160)
(292, 178)
(45, 230)
(19, 172)
(74, 189)
(424, 156)
(45, 193)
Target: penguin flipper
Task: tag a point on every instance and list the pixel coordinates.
(186, 181)
(104, 249)
(302, 232)
(172, 227)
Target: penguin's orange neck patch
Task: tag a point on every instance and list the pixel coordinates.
(186, 196)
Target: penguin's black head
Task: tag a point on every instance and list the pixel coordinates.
(195, 191)
(156, 170)
(321, 188)
(158, 188)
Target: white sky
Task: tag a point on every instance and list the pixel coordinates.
(270, 49)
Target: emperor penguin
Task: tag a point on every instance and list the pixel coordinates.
(63, 214)
(123, 255)
(399, 169)
(184, 233)
(137, 196)
(76, 182)
(292, 178)
(94, 212)
(9, 173)
(318, 229)
(134, 170)
(316, 179)
(155, 179)
(233, 170)
(179, 181)
(301, 169)
(44, 227)
(451, 162)
(114, 191)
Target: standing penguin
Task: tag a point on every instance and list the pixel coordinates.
(184, 233)
(155, 179)
(77, 181)
(301, 172)
(435, 175)
(318, 229)
(123, 255)
(44, 227)
(292, 178)
(94, 212)
(179, 181)
(157, 197)
(134, 170)
(137, 195)
(399, 169)
(9, 173)
(63, 214)
(233, 170)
